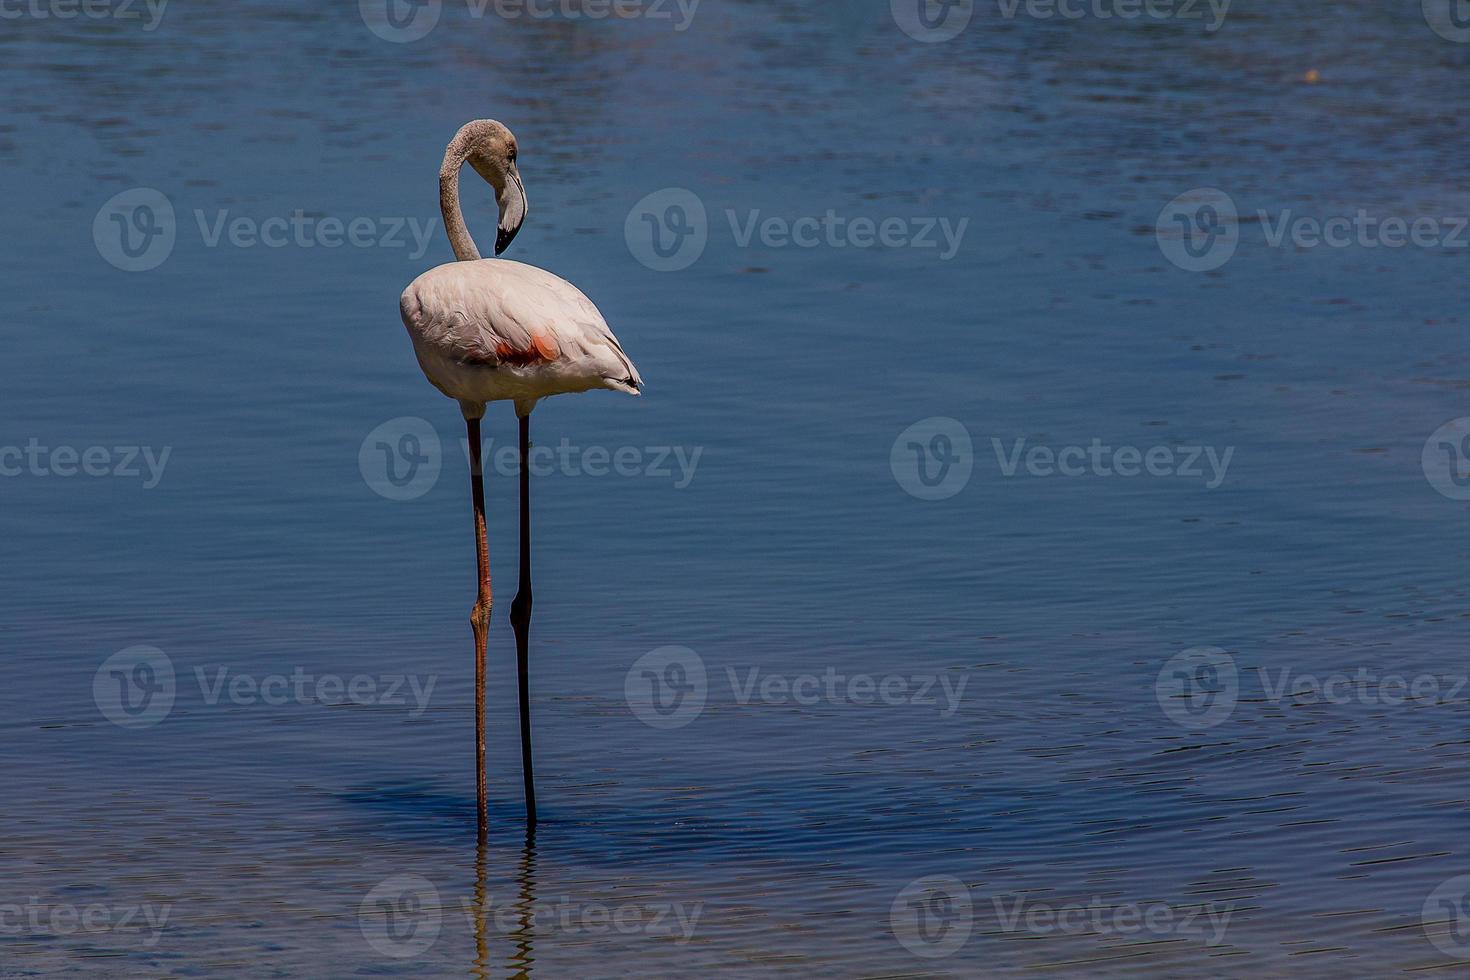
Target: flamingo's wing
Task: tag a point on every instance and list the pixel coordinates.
(495, 311)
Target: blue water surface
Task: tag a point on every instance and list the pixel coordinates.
(1064, 757)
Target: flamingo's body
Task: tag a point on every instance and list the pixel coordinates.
(493, 329)
(489, 330)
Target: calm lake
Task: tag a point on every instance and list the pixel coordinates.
(1041, 544)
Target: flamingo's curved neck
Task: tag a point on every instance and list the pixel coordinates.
(454, 226)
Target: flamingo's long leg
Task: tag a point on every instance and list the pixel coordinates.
(480, 620)
(520, 619)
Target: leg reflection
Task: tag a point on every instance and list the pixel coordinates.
(481, 970)
(525, 912)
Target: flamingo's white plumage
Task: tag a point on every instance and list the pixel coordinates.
(490, 330)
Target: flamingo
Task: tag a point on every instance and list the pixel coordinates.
(487, 330)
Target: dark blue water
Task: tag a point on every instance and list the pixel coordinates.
(1207, 812)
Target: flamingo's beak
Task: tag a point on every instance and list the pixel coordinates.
(513, 210)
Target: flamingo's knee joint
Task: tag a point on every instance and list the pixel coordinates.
(480, 614)
(520, 608)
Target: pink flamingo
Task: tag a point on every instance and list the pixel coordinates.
(489, 330)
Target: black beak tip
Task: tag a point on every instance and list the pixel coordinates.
(503, 239)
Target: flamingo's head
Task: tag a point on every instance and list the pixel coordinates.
(491, 150)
